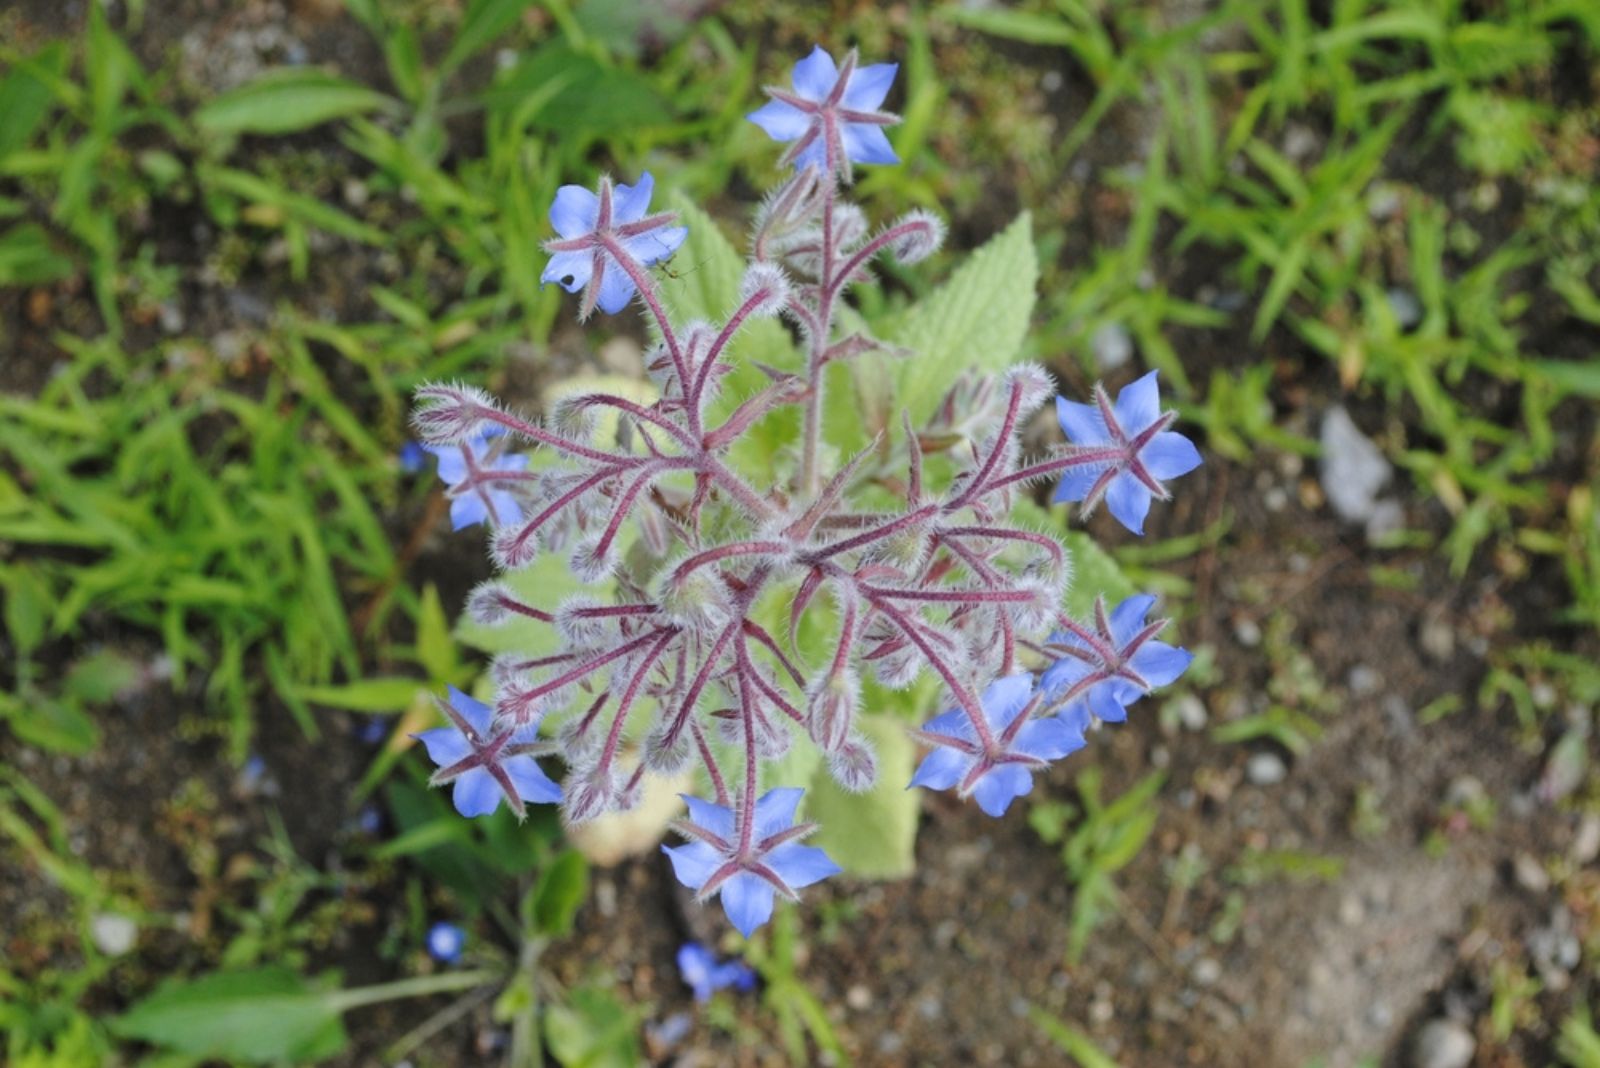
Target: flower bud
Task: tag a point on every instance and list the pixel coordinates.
(920, 235)
(831, 706)
(664, 755)
(589, 564)
(849, 225)
(697, 601)
(449, 413)
(1035, 384)
(513, 547)
(573, 417)
(489, 604)
(768, 286)
(854, 766)
(516, 707)
(590, 792)
(579, 630)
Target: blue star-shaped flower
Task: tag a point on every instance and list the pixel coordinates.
(706, 975)
(445, 942)
(832, 115)
(485, 764)
(995, 774)
(468, 470)
(749, 879)
(1120, 661)
(1139, 451)
(605, 237)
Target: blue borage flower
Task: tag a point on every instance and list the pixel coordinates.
(469, 472)
(1101, 672)
(485, 764)
(705, 975)
(832, 114)
(1138, 451)
(748, 878)
(1002, 770)
(607, 239)
(444, 942)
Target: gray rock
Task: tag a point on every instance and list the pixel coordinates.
(1112, 346)
(113, 935)
(1442, 1044)
(1406, 307)
(1265, 769)
(1353, 468)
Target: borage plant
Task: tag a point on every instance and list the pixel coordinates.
(762, 591)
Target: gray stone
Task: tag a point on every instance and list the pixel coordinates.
(1265, 769)
(113, 935)
(1353, 468)
(1442, 1044)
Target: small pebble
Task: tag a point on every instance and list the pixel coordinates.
(1442, 1044)
(1364, 681)
(1191, 712)
(1112, 346)
(1207, 970)
(1406, 308)
(1352, 910)
(1586, 843)
(1437, 639)
(1530, 873)
(1265, 769)
(1353, 470)
(1247, 631)
(858, 997)
(113, 935)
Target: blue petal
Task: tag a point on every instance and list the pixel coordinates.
(715, 818)
(941, 769)
(1004, 698)
(657, 245)
(1127, 619)
(1102, 701)
(616, 288)
(1076, 482)
(775, 810)
(467, 510)
(813, 155)
(1159, 663)
(531, 781)
(695, 964)
(480, 715)
(476, 793)
(868, 86)
(1081, 422)
(1076, 718)
(445, 745)
(747, 899)
(1139, 404)
(574, 211)
(1169, 455)
(951, 724)
(694, 863)
(801, 865)
(1003, 784)
(815, 76)
(1060, 677)
(783, 122)
(864, 143)
(734, 973)
(1047, 739)
(570, 269)
(630, 203)
(505, 507)
(1129, 501)
(452, 466)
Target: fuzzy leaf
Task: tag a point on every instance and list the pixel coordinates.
(287, 101)
(257, 1017)
(975, 321)
(871, 835)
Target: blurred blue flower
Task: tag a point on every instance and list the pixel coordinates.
(748, 879)
(485, 765)
(705, 975)
(999, 773)
(469, 470)
(832, 114)
(1103, 671)
(1138, 451)
(602, 234)
(445, 941)
(412, 457)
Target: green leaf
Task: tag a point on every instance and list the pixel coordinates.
(27, 258)
(59, 725)
(258, 1017)
(1074, 1043)
(595, 1029)
(365, 695)
(26, 601)
(1016, 25)
(975, 321)
(25, 100)
(436, 650)
(562, 889)
(287, 101)
(871, 835)
(485, 21)
(100, 676)
(1571, 376)
(581, 97)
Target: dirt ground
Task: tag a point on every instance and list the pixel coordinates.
(1388, 906)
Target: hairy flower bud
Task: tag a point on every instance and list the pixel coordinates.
(449, 413)
(831, 709)
(590, 792)
(578, 629)
(854, 766)
(918, 235)
(666, 755)
(592, 564)
(490, 603)
(696, 602)
(849, 225)
(517, 707)
(513, 547)
(768, 286)
(1036, 387)
(574, 417)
